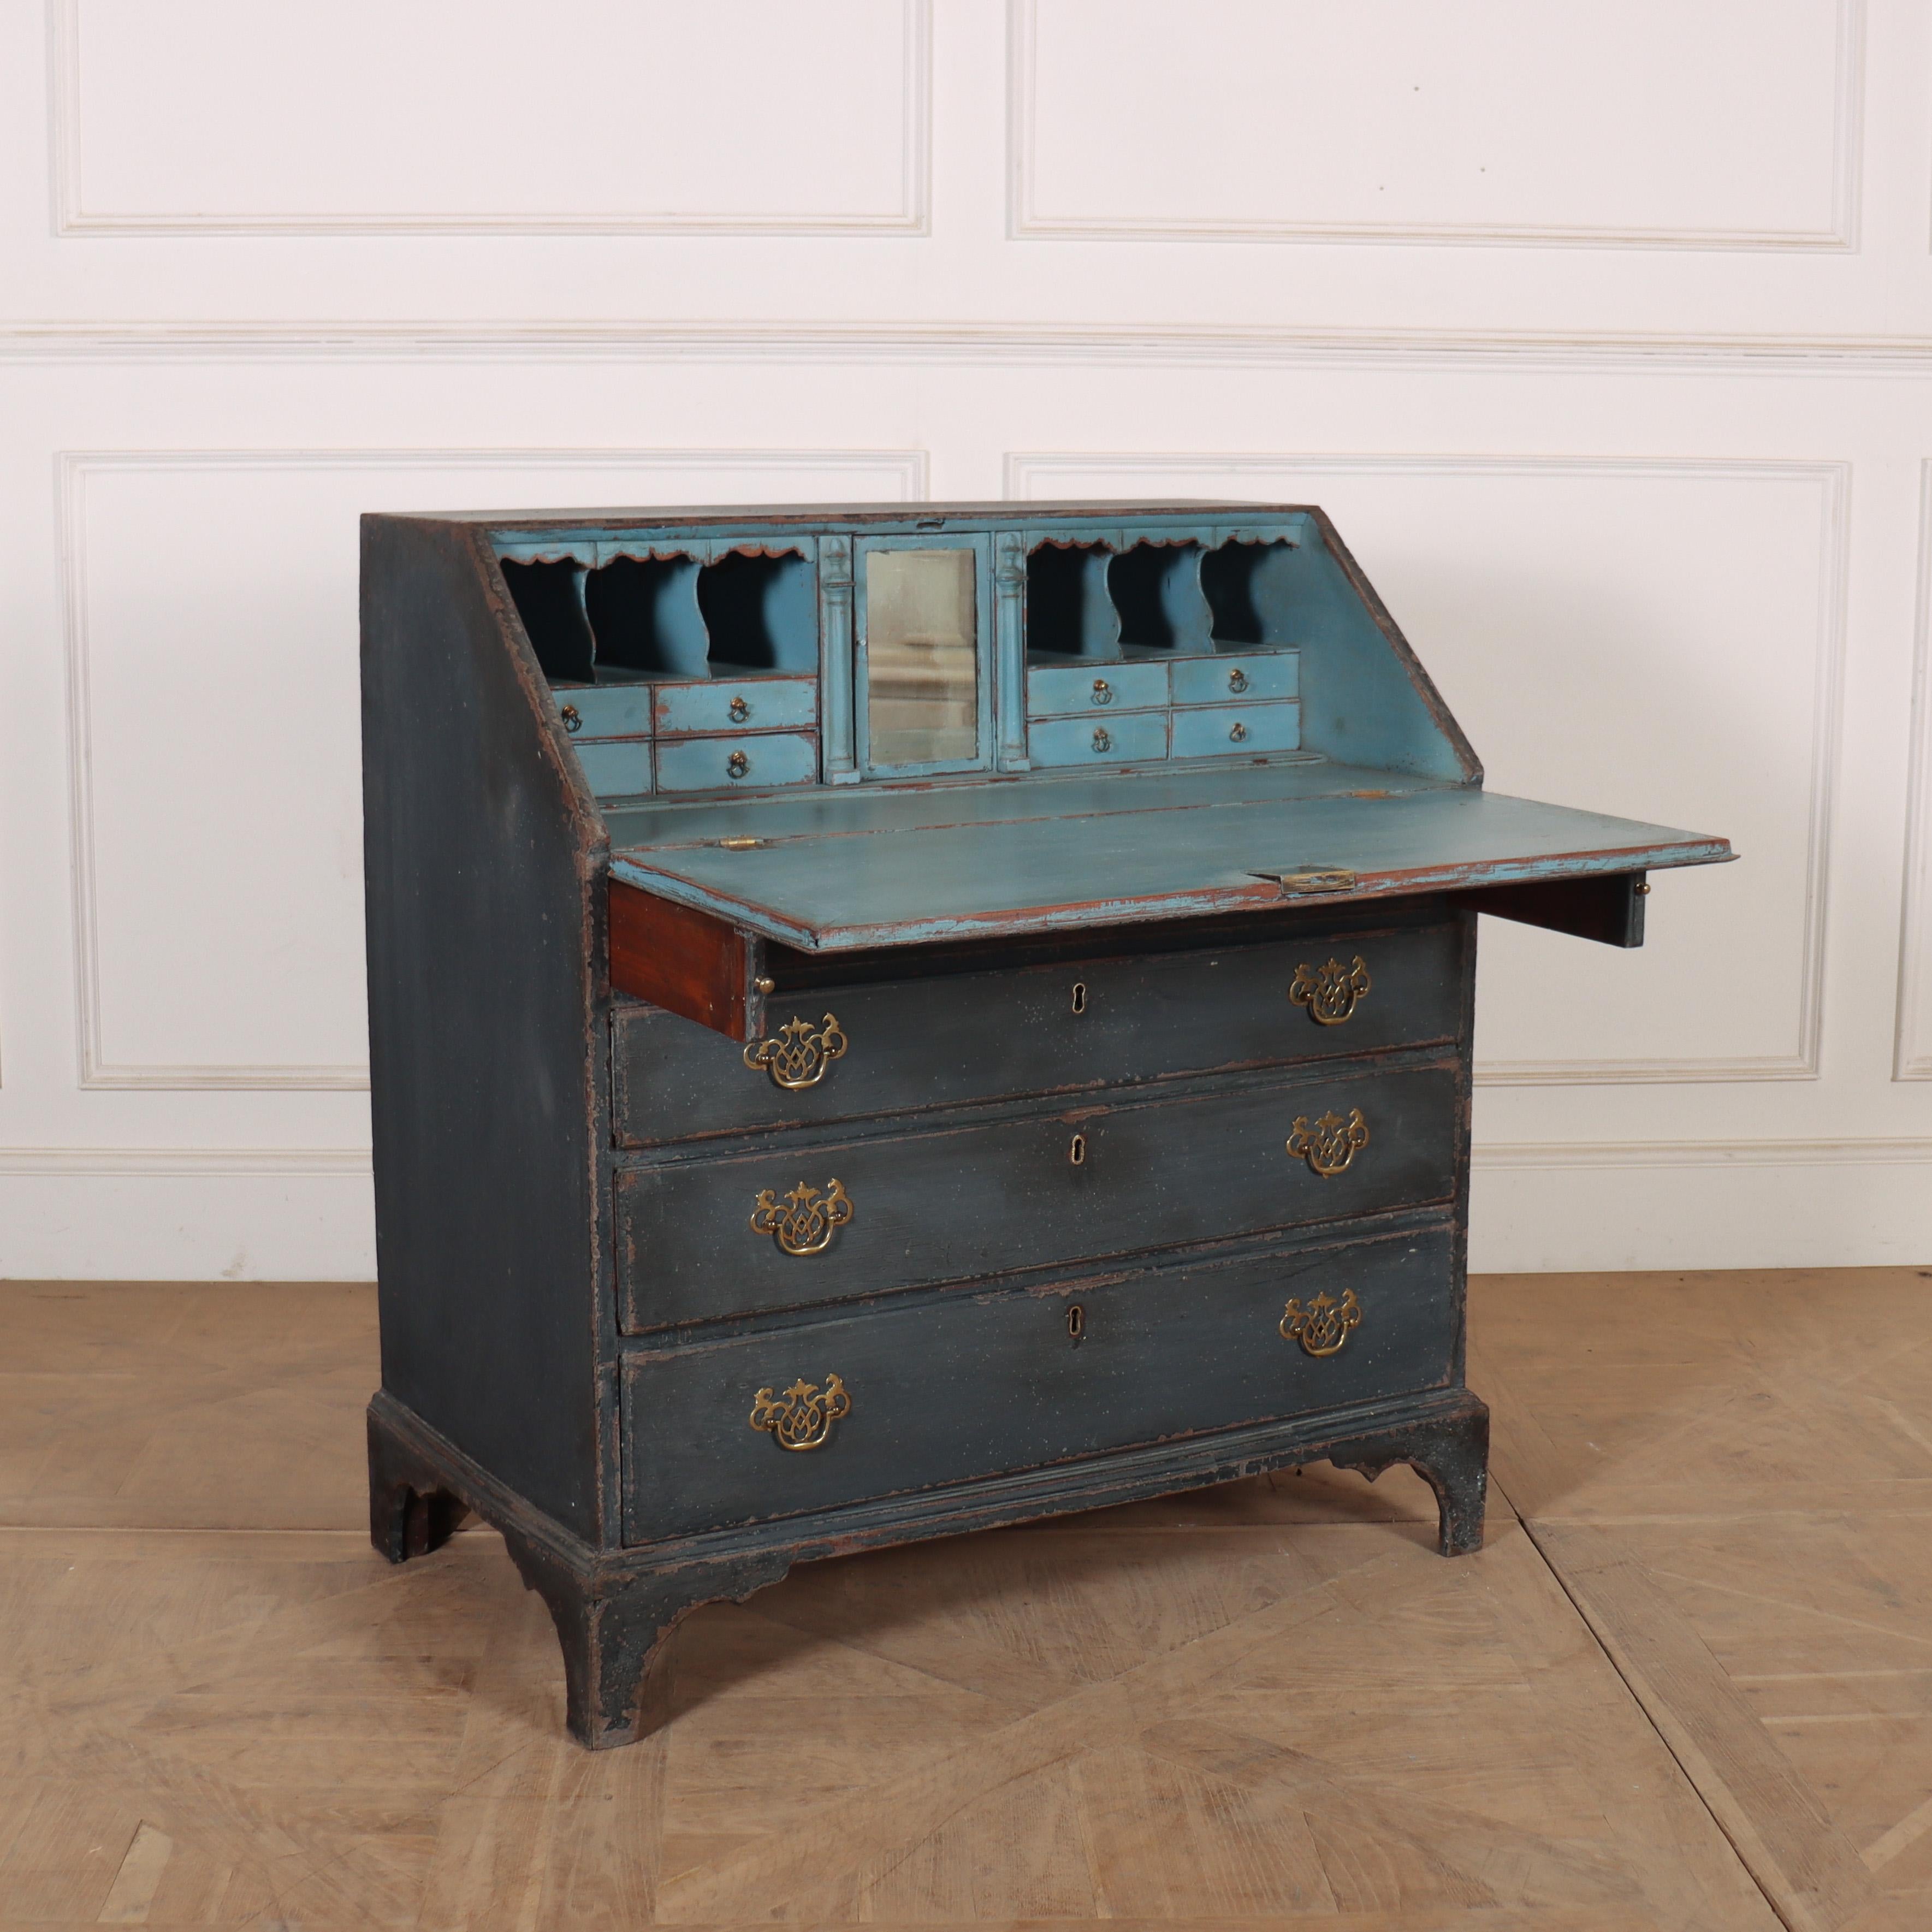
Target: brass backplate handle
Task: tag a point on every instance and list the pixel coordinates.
(1330, 1143)
(1332, 991)
(1325, 1324)
(801, 1418)
(804, 1222)
(799, 1054)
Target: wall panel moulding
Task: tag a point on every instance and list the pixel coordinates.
(992, 344)
(650, 118)
(1407, 123)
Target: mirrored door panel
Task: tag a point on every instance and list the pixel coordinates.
(924, 697)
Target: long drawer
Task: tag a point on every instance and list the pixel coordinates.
(908, 1045)
(698, 1239)
(976, 1384)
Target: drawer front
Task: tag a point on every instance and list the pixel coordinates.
(750, 704)
(1236, 680)
(1060, 690)
(911, 1045)
(1104, 739)
(1237, 730)
(981, 1385)
(747, 763)
(797, 1226)
(605, 710)
(616, 768)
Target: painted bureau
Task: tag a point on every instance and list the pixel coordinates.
(887, 1021)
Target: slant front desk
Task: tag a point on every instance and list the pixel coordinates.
(891, 1021)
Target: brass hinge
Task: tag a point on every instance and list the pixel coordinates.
(1310, 879)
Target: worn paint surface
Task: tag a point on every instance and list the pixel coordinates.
(505, 1186)
(829, 890)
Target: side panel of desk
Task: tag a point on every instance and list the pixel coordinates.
(486, 942)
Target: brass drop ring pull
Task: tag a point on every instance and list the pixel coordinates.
(573, 719)
(804, 1222)
(801, 1418)
(1237, 681)
(1239, 733)
(1101, 743)
(797, 1056)
(1103, 691)
(1323, 1325)
(1330, 992)
(739, 711)
(737, 764)
(1330, 1143)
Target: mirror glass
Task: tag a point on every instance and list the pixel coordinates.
(921, 657)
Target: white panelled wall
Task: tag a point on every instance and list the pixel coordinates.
(1604, 332)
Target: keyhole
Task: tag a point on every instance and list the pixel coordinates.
(1076, 1150)
(1076, 1321)
(1080, 996)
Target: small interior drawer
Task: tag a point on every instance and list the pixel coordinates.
(1237, 730)
(1226, 679)
(748, 764)
(1102, 738)
(605, 710)
(1058, 691)
(723, 704)
(617, 767)
(982, 1383)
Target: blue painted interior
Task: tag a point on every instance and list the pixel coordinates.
(1228, 604)
(644, 616)
(1156, 589)
(1068, 611)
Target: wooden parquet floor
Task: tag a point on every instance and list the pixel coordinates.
(1687, 1683)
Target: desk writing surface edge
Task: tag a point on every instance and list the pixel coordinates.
(927, 887)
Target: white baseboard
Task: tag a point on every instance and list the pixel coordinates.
(203, 1214)
(1761, 1205)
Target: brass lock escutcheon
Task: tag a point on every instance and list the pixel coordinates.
(1330, 991)
(799, 1054)
(1330, 1143)
(1325, 1324)
(804, 1221)
(801, 1418)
